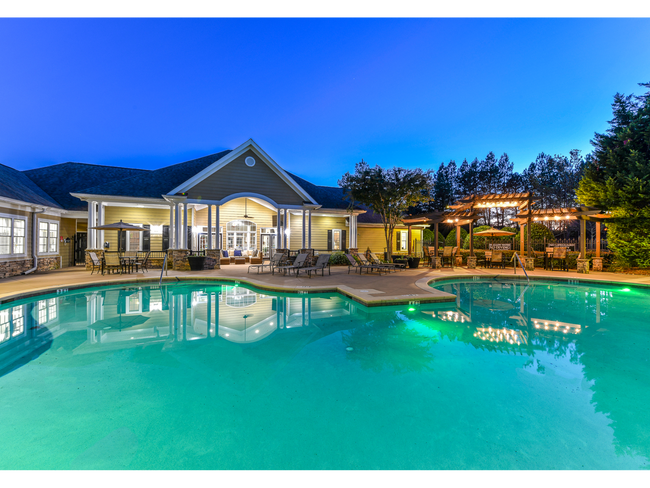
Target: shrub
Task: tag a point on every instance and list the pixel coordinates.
(430, 236)
(537, 233)
(339, 259)
(451, 238)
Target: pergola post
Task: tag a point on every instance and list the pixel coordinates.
(597, 261)
(529, 248)
(583, 262)
(522, 228)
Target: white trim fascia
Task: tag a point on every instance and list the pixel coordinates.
(247, 194)
(26, 206)
(88, 197)
(77, 214)
(234, 154)
(337, 211)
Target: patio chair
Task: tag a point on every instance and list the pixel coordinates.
(113, 262)
(429, 252)
(548, 257)
(448, 256)
(375, 260)
(225, 258)
(486, 259)
(321, 263)
(96, 263)
(299, 262)
(274, 262)
(497, 260)
(256, 257)
(239, 257)
(142, 263)
(560, 254)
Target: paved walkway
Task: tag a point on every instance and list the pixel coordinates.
(368, 289)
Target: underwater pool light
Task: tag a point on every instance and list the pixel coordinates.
(625, 289)
(411, 309)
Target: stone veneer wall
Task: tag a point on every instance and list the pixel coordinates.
(179, 259)
(14, 268)
(212, 259)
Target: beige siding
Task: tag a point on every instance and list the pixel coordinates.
(66, 251)
(138, 216)
(375, 239)
(236, 177)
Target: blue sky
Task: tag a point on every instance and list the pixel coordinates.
(317, 94)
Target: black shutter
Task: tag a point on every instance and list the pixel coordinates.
(189, 238)
(146, 238)
(274, 220)
(344, 244)
(398, 241)
(329, 240)
(165, 237)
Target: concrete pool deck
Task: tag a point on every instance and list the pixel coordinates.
(403, 287)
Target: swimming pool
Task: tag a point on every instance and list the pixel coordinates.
(209, 376)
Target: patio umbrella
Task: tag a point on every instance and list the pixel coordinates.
(492, 232)
(119, 227)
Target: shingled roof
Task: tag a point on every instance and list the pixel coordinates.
(59, 180)
(157, 182)
(15, 185)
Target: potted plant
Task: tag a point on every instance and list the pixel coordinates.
(400, 259)
(413, 261)
(196, 262)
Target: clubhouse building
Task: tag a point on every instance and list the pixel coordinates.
(238, 199)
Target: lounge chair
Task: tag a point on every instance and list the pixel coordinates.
(375, 260)
(96, 263)
(321, 263)
(273, 263)
(299, 262)
(361, 267)
(378, 264)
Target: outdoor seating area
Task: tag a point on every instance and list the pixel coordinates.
(119, 262)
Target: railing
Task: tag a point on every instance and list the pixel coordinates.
(164, 268)
(515, 255)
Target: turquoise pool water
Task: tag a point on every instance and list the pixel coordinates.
(204, 376)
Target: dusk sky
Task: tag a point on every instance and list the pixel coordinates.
(317, 94)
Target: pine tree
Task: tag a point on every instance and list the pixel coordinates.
(617, 178)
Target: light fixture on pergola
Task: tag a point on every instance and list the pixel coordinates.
(471, 203)
(583, 213)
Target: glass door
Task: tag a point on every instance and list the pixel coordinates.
(268, 245)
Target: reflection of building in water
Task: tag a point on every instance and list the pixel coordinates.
(173, 314)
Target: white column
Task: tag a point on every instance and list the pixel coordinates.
(353, 231)
(287, 227)
(185, 243)
(171, 227)
(279, 230)
(100, 220)
(309, 232)
(304, 231)
(217, 225)
(91, 233)
(177, 226)
(209, 246)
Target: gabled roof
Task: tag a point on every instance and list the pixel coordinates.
(155, 183)
(326, 196)
(59, 180)
(17, 186)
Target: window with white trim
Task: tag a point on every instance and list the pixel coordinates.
(12, 235)
(336, 239)
(48, 237)
(404, 236)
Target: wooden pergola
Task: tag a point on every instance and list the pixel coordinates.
(473, 203)
(583, 213)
